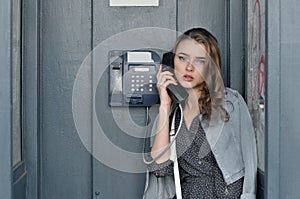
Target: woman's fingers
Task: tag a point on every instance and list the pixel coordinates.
(165, 78)
(160, 72)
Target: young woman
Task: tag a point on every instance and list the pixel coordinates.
(215, 142)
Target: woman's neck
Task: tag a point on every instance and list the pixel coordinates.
(192, 100)
(191, 103)
(191, 109)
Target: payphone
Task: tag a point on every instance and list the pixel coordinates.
(133, 78)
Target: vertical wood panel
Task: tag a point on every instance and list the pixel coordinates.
(289, 95)
(16, 82)
(273, 101)
(6, 99)
(116, 21)
(30, 75)
(65, 42)
(237, 41)
(211, 15)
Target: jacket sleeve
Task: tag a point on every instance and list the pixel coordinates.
(160, 169)
(249, 151)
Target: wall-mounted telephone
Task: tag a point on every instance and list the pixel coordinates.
(176, 92)
(133, 78)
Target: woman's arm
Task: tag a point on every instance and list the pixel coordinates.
(161, 139)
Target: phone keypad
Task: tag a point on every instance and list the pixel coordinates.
(142, 83)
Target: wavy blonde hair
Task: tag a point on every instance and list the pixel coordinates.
(212, 89)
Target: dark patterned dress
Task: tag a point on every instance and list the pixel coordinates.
(200, 176)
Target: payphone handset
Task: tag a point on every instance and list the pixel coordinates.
(133, 78)
(176, 92)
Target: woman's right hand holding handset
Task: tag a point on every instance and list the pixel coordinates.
(164, 78)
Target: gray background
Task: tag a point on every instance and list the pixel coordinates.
(68, 33)
(57, 35)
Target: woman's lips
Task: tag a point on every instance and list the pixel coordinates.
(188, 78)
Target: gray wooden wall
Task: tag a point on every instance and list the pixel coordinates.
(282, 116)
(6, 99)
(65, 40)
(58, 37)
(68, 33)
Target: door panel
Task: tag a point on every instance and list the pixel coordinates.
(65, 41)
(120, 28)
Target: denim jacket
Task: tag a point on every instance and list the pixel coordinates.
(233, 144)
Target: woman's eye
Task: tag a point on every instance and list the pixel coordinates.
(182, 58)
(200, 62)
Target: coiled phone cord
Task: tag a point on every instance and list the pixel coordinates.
(172, 135)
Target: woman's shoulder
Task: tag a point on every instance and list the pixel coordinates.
(231, 95)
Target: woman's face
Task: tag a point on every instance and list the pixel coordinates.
(190, 63)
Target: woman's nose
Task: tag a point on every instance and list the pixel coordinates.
(189, 66)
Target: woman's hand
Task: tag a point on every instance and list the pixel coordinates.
(163, 80)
